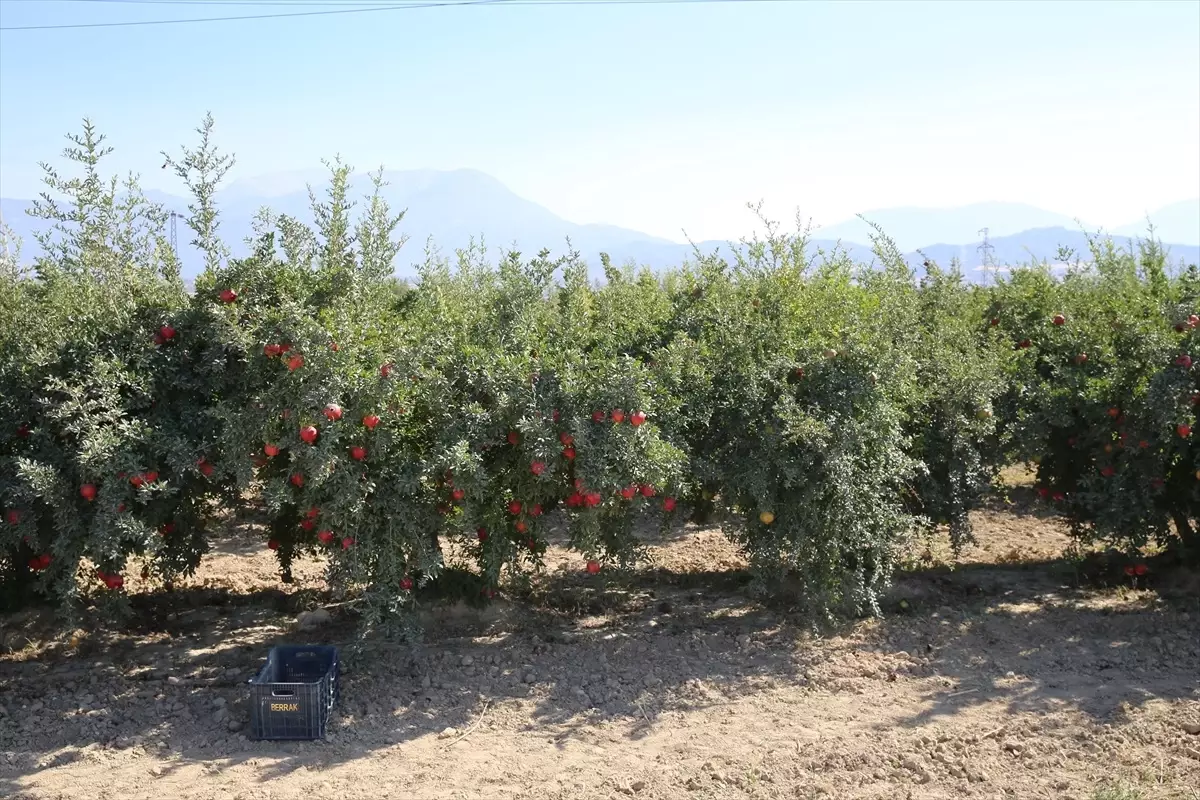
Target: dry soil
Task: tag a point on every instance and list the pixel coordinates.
(1006, 676)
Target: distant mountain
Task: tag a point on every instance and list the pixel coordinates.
(911, 228)
(1040, 244)
(448, 207)
(452, 207)
(1178, 222)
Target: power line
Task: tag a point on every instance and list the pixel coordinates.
(312, 3)
(260, 3)
(249, 16)
(360, 9)
(285, 3)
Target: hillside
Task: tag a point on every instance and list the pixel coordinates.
(449, 208)
(1178, 222)
(912, 228)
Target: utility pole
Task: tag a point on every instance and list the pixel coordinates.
(174, 235)
(987, 264)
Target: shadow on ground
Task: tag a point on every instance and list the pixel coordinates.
(1031, 637)
(587, 649)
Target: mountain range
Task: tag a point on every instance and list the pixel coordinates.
(449, 207)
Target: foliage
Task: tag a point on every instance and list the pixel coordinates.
(1103, 395)
(440, 434)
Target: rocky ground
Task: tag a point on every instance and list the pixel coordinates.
(1001, 678)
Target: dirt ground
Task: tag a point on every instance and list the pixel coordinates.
(1000, 678)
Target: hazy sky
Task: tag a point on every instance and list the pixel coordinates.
(655, 117)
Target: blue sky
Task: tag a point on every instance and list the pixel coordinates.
(657, 117)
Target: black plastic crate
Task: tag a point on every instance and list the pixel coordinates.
(293, 694)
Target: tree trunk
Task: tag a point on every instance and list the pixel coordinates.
(1187, 548)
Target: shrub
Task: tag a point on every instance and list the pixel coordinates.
(793, 434)
(434, 438)
(97, 367)
(1100, 387)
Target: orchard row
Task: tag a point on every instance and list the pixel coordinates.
(821, 412)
